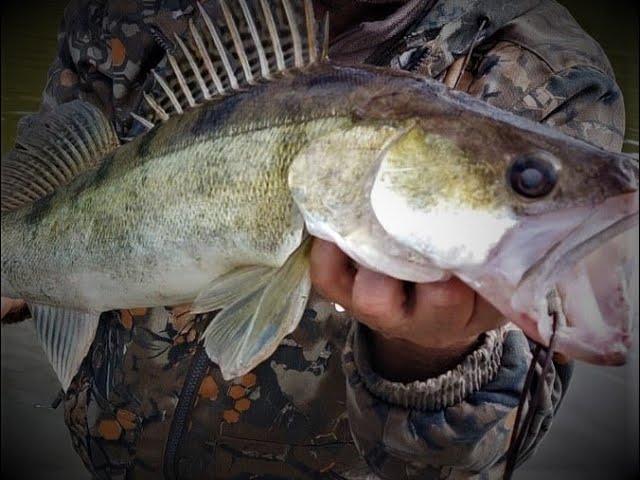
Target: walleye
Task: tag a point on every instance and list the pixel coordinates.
(254, 142)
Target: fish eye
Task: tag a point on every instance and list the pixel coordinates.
(533, 175)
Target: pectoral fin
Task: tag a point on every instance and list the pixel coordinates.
(268, 307)
(225, 290)
(66, 336)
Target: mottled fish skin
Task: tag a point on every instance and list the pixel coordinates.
(164, 214)
(188, 201)
(168, 212)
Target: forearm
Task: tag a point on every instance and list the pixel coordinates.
(459, 420)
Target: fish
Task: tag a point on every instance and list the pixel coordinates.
(250, 141)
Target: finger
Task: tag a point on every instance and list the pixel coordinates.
(485, 317)
(8, 305)
(446, 306)
(378, 300)
(331, 272)
(446, 295)
(5, 306)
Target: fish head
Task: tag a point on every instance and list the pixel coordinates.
(518, 210)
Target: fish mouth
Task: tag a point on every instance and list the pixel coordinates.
(598, 228)
(593, 268)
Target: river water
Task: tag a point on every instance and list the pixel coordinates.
(594, 436)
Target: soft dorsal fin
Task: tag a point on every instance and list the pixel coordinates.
(53, 149)
(240, 43)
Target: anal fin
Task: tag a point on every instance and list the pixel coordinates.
(266, 309)
(66, 336)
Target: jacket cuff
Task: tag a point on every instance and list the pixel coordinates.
(476, 370)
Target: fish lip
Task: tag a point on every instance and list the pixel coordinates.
(579, 250)
(607, 221)
(569, 251)
(615, 353)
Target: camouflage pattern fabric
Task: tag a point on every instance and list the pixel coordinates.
(145, 405)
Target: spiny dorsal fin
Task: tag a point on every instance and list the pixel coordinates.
(52, 150)
(234, 45)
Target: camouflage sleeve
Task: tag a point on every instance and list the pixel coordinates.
(455, 425)
(540, 64)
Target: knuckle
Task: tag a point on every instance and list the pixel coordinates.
(370, 307)
(320, 277)
(325, 283)
(449, 294)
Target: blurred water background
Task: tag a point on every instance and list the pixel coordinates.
(595, 434)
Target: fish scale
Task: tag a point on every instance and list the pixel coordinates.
(216, 192)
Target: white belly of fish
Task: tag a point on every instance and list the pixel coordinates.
(164, 285)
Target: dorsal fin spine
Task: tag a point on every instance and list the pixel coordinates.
(97, 141)
(262, 56)
(181, 81)
(76, 154)
(146, 123)
(237, 42)
(259, 38)
(20, 199)
(41, 154)
(73, 150)
(325, 37)
(219, 47)
(273, 33)
(194, 68)
(23, 175)
(311, 37)
(41, 164)
(164, 116)
(72, 155)
(202, 49)
(295, 34)
(61, 165)
(174, 101)
(89, 140)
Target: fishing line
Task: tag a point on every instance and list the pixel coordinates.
(523, 398)
(474, 42)
(520, 432)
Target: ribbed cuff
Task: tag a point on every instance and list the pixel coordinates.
(474, 372)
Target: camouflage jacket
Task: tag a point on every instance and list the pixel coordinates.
(147, 402)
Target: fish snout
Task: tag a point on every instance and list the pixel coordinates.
(624, 175)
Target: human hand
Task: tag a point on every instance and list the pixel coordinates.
(419, 330)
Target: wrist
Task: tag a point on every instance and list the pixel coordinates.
(401, 360)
